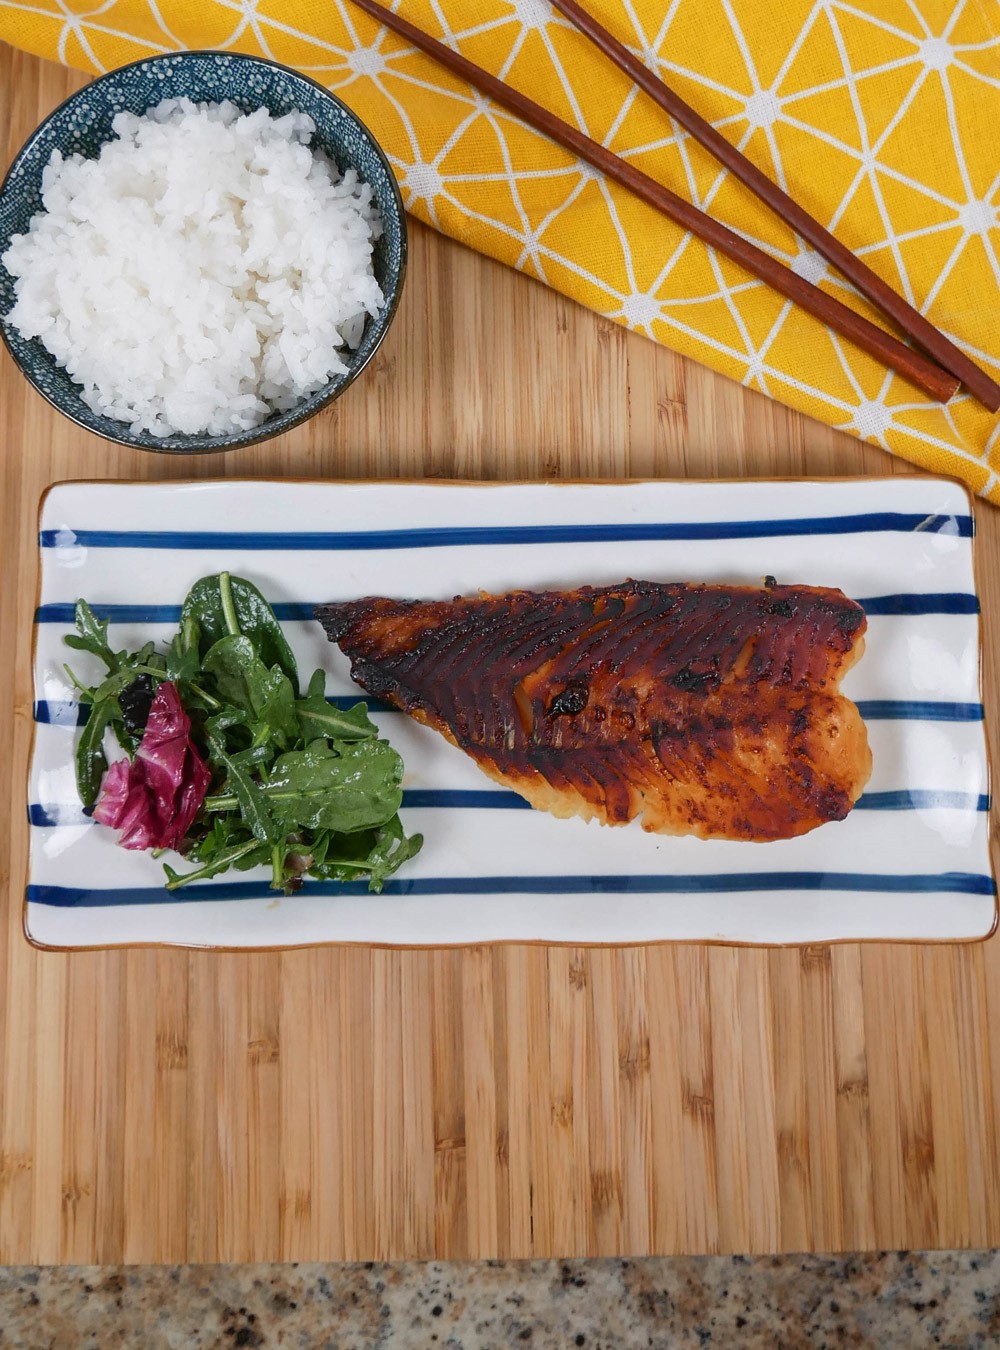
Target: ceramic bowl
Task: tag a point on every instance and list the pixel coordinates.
(83, 123)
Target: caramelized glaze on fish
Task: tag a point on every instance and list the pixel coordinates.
(706, 710)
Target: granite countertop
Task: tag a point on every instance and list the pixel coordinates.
(887, 1300)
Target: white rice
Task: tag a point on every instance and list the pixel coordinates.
(206, 271)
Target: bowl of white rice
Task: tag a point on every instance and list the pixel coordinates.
(198, 251)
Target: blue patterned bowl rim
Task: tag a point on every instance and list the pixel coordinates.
(375, 331)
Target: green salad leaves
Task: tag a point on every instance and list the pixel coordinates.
(296, 783)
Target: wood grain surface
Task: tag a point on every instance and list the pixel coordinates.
(516, 1101)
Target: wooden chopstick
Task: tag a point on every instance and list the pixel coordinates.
(934, 342)
(911, 364)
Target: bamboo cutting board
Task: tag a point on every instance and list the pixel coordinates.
(520, 1101)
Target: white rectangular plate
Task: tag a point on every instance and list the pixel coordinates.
(911, 861)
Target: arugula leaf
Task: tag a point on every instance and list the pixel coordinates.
(114, 684)
(247, 854)
(147, 655)
(183, 661)
(223, 832)
(104, 709)
(228, 716)
(253, 807)
(392, 849)
(253, 754)
(319, 718)
(92, 636)
(91, 761)
(378, 852)
(223, 605)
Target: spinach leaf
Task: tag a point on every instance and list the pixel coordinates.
(230, 662)
(267, 696)
(276, 719)
(354, 787)
(223, 605)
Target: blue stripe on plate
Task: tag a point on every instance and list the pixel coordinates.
(67, 714)
(920, 799)
(503, 799)
(457, 536)
(931, 602)
(917, 710)
(57, 713)
(59, 813)
(961, 883)
(60, 713)
(495, 799)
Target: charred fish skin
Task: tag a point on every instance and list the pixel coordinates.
(701, 709)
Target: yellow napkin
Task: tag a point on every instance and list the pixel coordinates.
(880, 116)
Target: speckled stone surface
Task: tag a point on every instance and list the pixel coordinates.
(890, 1301)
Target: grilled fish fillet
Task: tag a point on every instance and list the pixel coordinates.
(705, 710)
